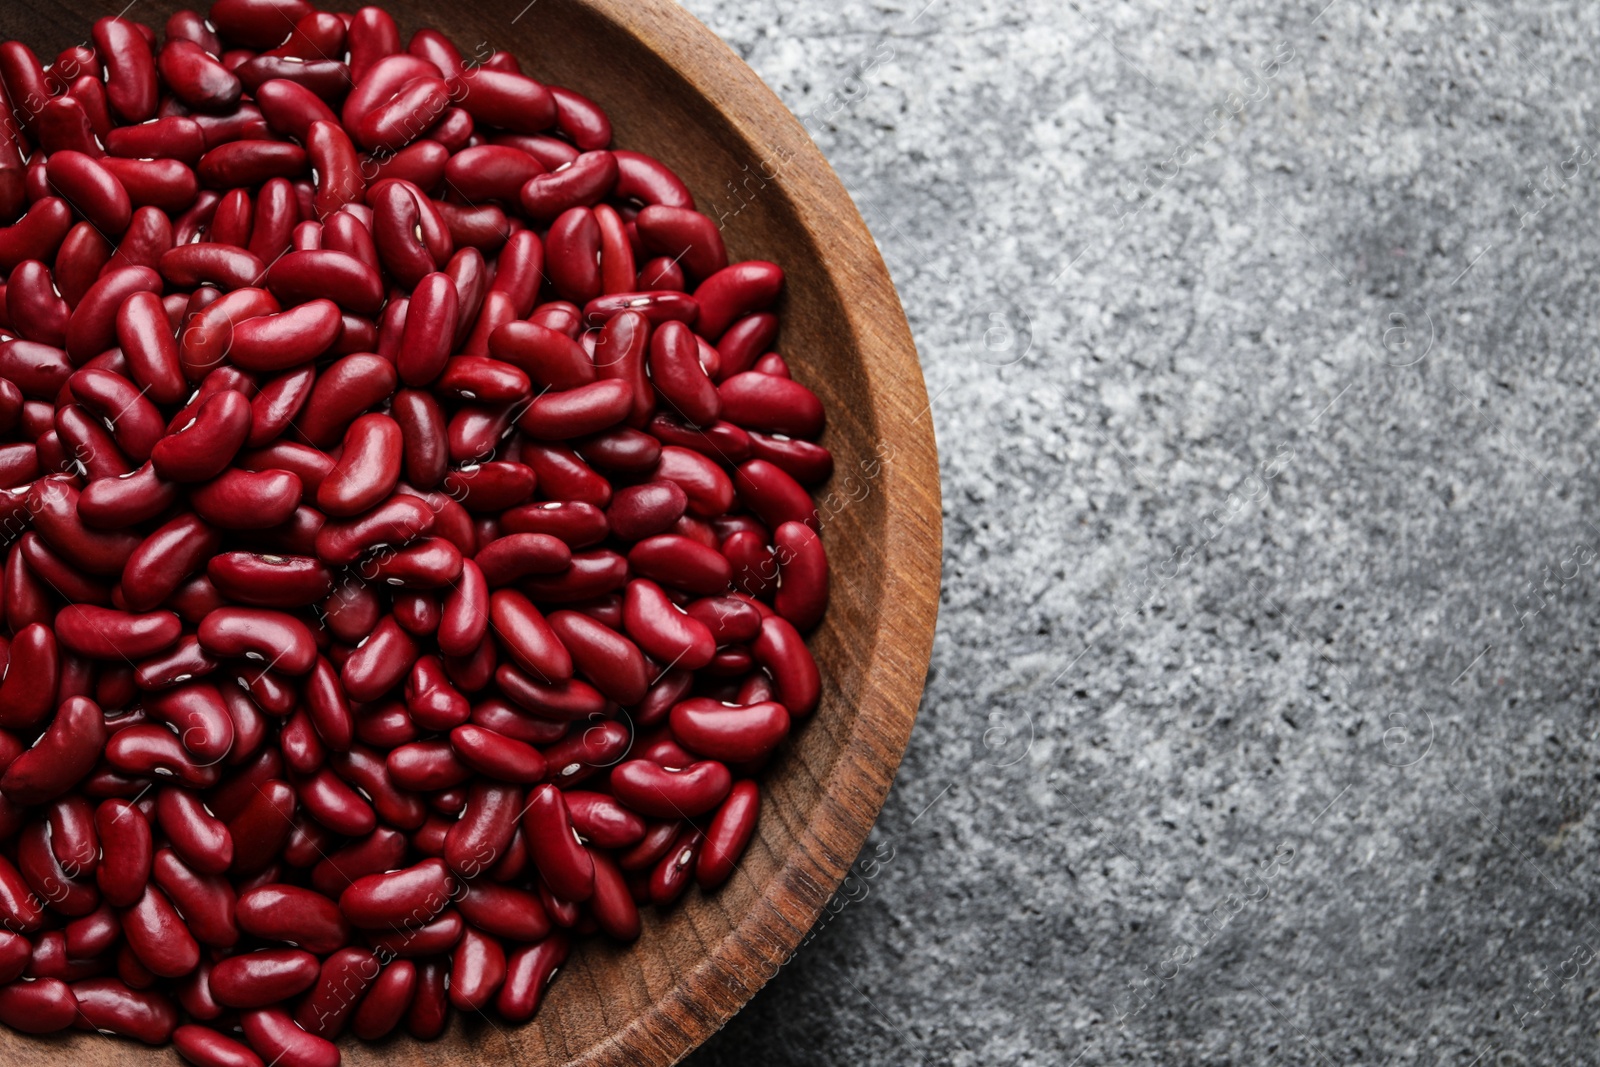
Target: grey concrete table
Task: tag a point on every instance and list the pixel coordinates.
(1261, 724)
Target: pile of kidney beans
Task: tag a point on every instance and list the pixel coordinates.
(409, 534)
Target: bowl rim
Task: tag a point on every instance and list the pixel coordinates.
(852, 795)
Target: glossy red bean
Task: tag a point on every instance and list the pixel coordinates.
(203, 448)
(665, 792)
(274, 638)
(408, 898)
(648, 181)
(126, 852)
(344, 977)
(273, 1033)
(379, 664)
(156, 933)
(198, 837)
(40, 1006)
(385, 1003)
(529, 971)
(92, 190)
(566, 866)
(302, 276)
(205, 1047)
(299, 916)
(603, 822)
(32, 673)
(264, 977)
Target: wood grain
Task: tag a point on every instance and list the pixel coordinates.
(675, 91)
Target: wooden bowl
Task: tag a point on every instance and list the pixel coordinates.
(675, 91)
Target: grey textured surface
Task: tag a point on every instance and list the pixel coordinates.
(1260, 727)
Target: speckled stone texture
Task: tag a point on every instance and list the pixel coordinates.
(1260, 727)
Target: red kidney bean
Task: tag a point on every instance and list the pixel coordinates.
(302, 276)
(396, 522)
(131, 84)
(227, 501)
(264, 977)
(203, 448)
(160, 563)
(773, 405)
(497, 756)
(385, 1003)
(569, 700)
(344, 977)
(773, 495)
(40, 1006)
(647, 181)
(734, 292)
(280, 640)
(687, 236)
(708, 488)
(481, 379)
(657, 842)
(657, 307)
(299, 916)
(343, 390)
(573, 250)
(272, 1032)
(663, 629)
(484, 830)
(93, 326)
(678, 561)
(647, 509)
(379, 664)
(274, 408)
(287, 339)
(147, 339)
(197, 712)
(402, 899)
(577, 412)
(368, 469)
(62, 756)
(802, 594)
(566, 866)
(37, 234)
(184, 661)
(613, 906)
(477, 970)
(91, 189)
(126, 852)
(491, 172)
(32, 673)
(424, 445)
(729, 733)
(198, 837)
(670, 792)
(516, 556)
(529, 971)
(528, 637)
(580, 525)
(662, 275)
(157, 935)
(36, 310)
(623, 450)
(549, 358)
(603, 822)
(207, 901)
(205, 1047)
(147, 749)
(807, 463)
(197, 79)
